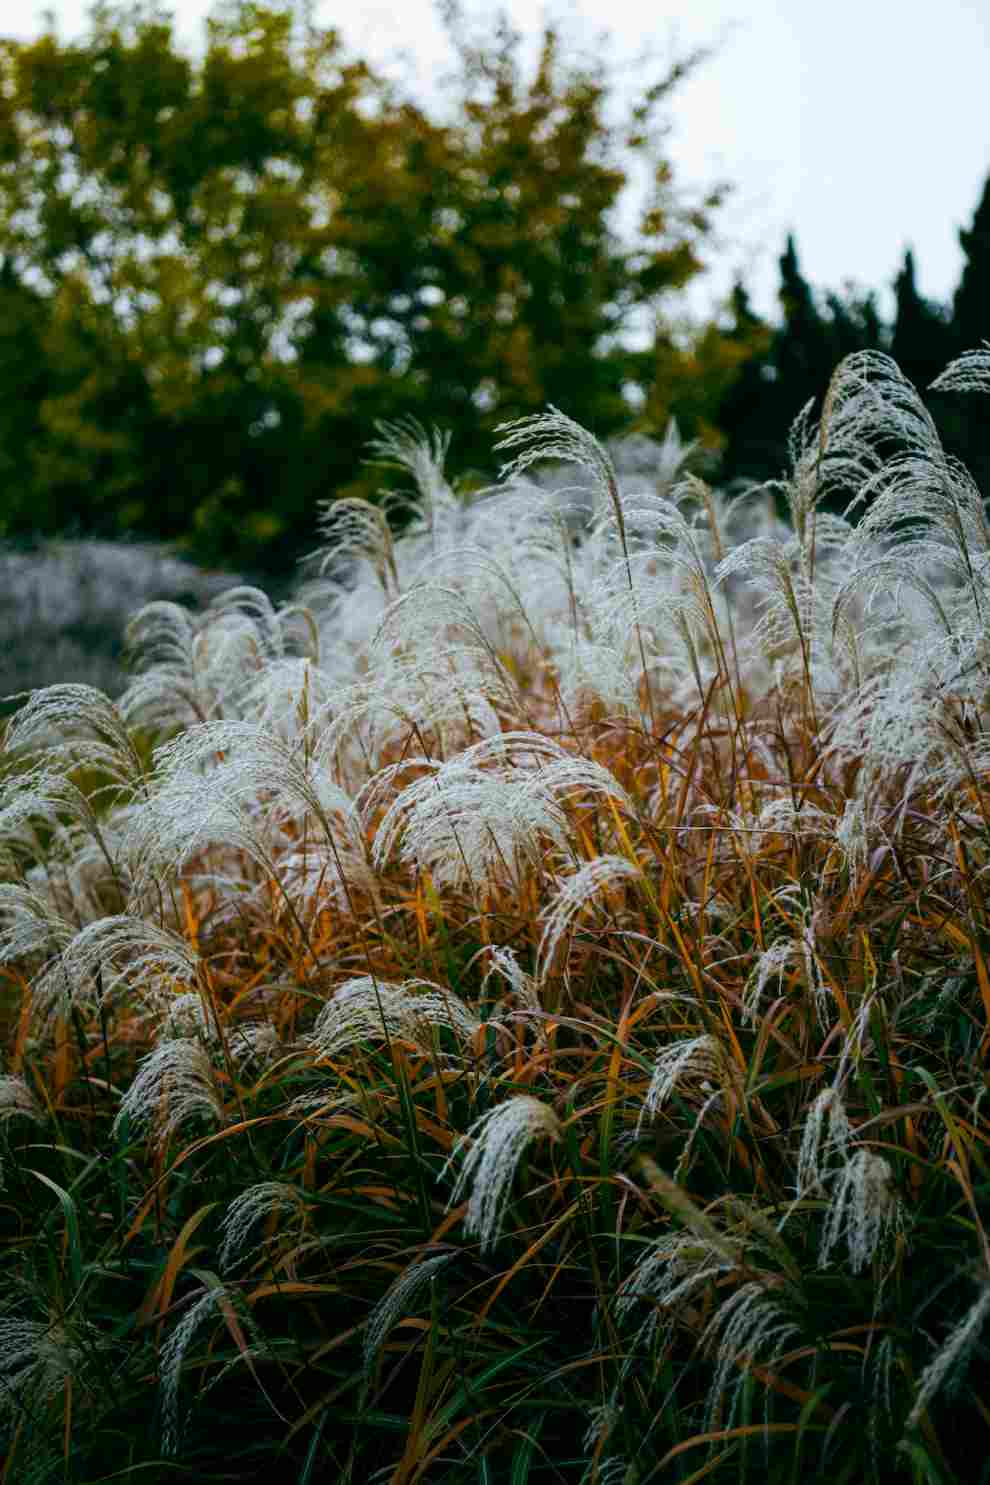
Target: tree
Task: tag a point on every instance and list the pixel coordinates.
(921, 340)
(748, 411)
(803, 346)
(241, 262)
(971, 302)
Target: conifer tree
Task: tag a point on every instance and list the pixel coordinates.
(971, 303)
(802, 349)
(921, 342)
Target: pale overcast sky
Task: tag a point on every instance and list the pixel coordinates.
(861, 125)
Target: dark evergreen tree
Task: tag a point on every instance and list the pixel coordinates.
(802, 350)
(921, 343)
(854, 324)
(749, 414)
(971, 303)
(961, 418)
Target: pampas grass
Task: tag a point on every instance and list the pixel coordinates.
(520, 1009)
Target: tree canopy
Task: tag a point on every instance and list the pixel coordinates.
(217, 272)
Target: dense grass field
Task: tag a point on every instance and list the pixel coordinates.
(519, 1011)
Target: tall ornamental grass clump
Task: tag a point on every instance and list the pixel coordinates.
(520, 1012)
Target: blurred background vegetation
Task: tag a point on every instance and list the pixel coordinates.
(217, 272)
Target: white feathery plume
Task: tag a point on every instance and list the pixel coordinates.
(502, 961)
(316, 872)
(39, 1357)
(590, 670)
(173, 1083)
(259, 1202)
(863, 1207)
(398, 1300)
(356, 532)
(232, 785)
(488, 810)
(432, 613)
(30, 924)
(772, 962)
(442, 692)
(123, 951)
(173, 1355)
(186, 1017)
(499, 1138)
(193, 669)
(42, 794)
(603, 1419)
(80, 724)
(168, 687)
(816, 1146)
(701, 1058)
(553, 435)
(405, 445)
(947, 1366)
(969, 372)
(573, 896)
(670, 1271)
(365, 1009)
(262, 761)
(287, 695)
(749, 1323)
(188, 812)
(852, 836)
(470, 826)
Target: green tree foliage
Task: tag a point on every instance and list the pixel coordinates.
(222, 270)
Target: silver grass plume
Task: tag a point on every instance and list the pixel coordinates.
(184, 1016)
(355, 531)
(397, 1301)
(863, 1208)
(669, 1272)
(30, 924)
(816, 1145)
(443, 693)
(366, 1009)
(751, 1323)
(48, 796)
(234, 784)
(553, 435)
(175, 1082)
(503, 962)
(948, 1365)
(573, 896)
(969, 372)
(497, 1141)
(487, 812)
(771, 964)
(173, 1353)
(405, 445)
(81, 725)
(38, 1358)
(700, 1059)
(258, 1203)
(119, 952)
(169, 685)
